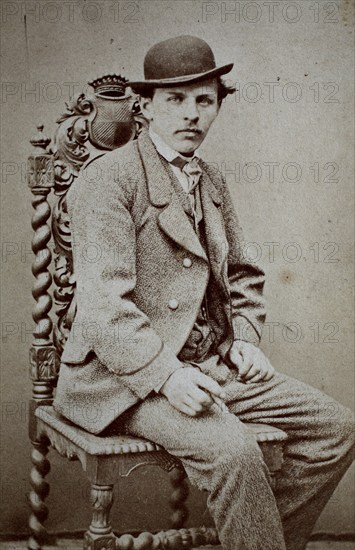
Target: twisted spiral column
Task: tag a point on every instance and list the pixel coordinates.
(178, 498)
(43, 367)
(42, 260)
(41, 181)
(42, 356)
(40, 490)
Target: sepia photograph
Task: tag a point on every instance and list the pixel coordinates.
(177, 273)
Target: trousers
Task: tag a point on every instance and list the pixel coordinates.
(220, 456)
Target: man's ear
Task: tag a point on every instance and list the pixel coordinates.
(146, 107)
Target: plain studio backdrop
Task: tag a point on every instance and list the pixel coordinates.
(285, 144)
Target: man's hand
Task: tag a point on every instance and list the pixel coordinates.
(252, 364)
(192, 392)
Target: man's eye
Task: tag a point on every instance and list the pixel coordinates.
(174, 99)
(206, 101)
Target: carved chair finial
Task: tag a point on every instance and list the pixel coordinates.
(40, 141)
(109, 86)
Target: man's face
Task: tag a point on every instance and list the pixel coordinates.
(182, 115)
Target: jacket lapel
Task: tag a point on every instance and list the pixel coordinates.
(172, 219)
(216, 240)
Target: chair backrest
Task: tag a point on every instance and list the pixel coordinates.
(90, 127)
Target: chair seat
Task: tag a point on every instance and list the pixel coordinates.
(106, 458)
(125, 444)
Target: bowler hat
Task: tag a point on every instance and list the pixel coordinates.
(179, 60)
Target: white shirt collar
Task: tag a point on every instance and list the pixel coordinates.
(165, 150)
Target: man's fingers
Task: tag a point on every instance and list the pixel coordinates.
(193, 404)
(245, 364)
(187, 410)
(257, 378)
(243, 370)
(252, 364)
(200, 396)
(243, 360)
(253, 371)
(200, 408)
(236, 358)
(264, 375)
(220, 404)
(270, 373)
(207, 383)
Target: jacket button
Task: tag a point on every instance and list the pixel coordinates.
(186, 262)
(173, 304)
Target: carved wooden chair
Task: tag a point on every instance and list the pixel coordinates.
(88, 128)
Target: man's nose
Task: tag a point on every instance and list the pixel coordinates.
(191, 112)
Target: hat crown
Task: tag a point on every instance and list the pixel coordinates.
(177, 57)
(177, 61)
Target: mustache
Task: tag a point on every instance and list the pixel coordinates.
(196, 130)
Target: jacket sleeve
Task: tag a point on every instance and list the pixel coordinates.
(104, 260)
(246, 280)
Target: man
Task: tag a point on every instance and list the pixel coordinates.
(170, 318)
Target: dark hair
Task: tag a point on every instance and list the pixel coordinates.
(223, 90)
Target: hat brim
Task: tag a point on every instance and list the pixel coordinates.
(176, 81)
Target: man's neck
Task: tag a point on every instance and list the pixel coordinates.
(165, 150)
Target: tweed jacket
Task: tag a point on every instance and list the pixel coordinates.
(137, 297)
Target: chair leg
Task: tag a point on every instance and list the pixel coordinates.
(100, 534)
(178, 498)
(40, 490)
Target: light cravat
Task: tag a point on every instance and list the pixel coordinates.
(191, 169)
(193, 173)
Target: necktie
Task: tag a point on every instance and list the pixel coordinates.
(191, 169)
(193, 172)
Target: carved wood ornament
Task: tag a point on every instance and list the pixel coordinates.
(86, 129)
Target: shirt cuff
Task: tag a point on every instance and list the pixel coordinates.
(161, 384)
